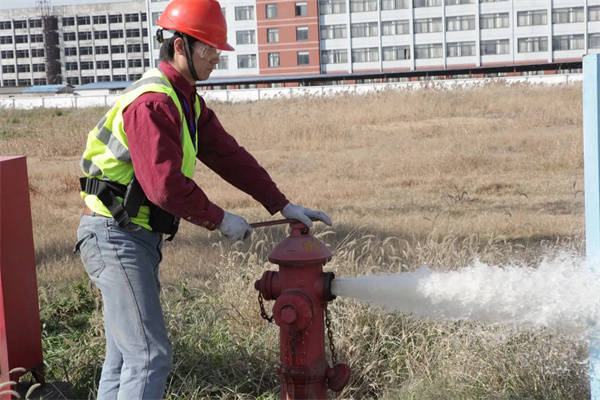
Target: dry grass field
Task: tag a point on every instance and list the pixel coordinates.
(434, 177)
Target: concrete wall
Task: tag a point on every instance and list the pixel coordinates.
(238, 95)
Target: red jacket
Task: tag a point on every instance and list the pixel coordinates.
(153, 129)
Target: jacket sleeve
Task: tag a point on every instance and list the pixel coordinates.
(218, 150)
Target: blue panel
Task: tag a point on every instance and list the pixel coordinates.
(591, 131)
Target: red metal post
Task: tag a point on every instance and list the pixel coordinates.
(301, 290)
(20, 333)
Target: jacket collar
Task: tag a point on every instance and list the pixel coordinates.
(177, 80)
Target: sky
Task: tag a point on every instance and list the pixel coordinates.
(4, 4)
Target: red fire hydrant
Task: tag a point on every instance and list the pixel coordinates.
(301, 290)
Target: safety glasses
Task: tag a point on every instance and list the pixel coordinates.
(205, 51)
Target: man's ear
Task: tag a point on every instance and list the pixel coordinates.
(178, 46)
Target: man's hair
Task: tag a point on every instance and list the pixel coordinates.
(167, 48)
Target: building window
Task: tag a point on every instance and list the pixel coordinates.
(460, 49)
(99, 19)
(70, 51)
(35, 23)
(427, 3)
(39, 81)
(301, 9)
(531, 18)
(135, 63)
(272, 35)
(301, 33)
(117, 48)
(334, 56)
(36, 38)
(568, 42)
(103, 78)
(594, 13)
(132, 17)
(21, 24)
(133, 33)
(8, 69)
(9, 82)
(6, 39)
(303, 58)
(22, 53)
(244, 13)
(101, 49)
(432, 50)
(365, 29)
(271, 10)
(394, 53)
(428, 25)
(6, 54)
(118, 64)
(116, 34)
(69, 36)
(334, 31)
(24, 82)
(71, 66)
(134, 48)
(21, 39)
(332, 7)
(86, 50)
(85, 35)
(37, 52)
(87, 65)
(273, 59)
(104, 64)
(394, 4)
(493, 47)
(5, 25)
(389, 28)
(223, 63)
(87, 79)
(115, 18)
(363, 5)
(460, 23)
(246, 61)
(492, 21)
(568, 15)
(73, 81)
(594, 41)
(100, 35)
(83, 20)
(245, 37)
(532, 44)
(365, 55)
(68, 21)
(459, 2)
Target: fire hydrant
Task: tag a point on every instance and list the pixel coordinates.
(301, 291)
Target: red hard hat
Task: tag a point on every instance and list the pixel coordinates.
(201, 19)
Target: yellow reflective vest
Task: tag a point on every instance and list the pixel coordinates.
(107, 154)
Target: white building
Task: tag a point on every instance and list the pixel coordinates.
(74, 44)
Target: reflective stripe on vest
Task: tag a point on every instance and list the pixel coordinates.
(107, 155)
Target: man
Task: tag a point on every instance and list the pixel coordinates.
(138, 165)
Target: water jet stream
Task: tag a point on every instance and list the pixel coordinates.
(559, 293)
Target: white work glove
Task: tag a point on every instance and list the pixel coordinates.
(235, 227)
(304, 215)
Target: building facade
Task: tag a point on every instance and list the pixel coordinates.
(74, 45)
(116, 41)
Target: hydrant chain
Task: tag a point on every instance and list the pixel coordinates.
(263, 312)
(330, 336)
